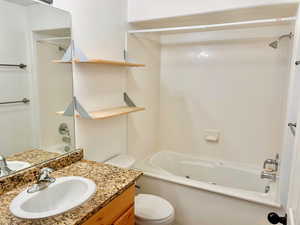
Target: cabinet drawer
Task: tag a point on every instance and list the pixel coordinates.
(114, 210)
(127, 218)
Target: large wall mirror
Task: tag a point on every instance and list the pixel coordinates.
(32, 87)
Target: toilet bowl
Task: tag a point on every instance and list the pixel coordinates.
(153, 210)
(149, 209)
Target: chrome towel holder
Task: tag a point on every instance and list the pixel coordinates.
(24, 100)
(21, 65)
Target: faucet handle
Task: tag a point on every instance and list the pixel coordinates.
(46, 170)
(44, 175)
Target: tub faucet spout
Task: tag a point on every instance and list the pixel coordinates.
(268, 175)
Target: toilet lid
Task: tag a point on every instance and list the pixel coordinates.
(151, 207)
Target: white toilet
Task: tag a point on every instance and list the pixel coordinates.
(149, 209)
(153, 210)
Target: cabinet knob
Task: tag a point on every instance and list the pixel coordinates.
(275, 219)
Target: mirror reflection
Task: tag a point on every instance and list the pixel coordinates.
(32, 87)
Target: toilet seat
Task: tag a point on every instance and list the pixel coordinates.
(167, 221)
(151, 208)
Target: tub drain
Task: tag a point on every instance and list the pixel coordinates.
(187, 177)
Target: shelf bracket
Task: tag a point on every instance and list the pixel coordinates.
(74, 52)
(292, 127)
(128, 100)
(76, 106)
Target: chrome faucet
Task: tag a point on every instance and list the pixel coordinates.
(268, 175)
(274, 162)
(4, 170)
(44, 180)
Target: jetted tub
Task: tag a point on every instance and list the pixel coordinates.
(208, 187)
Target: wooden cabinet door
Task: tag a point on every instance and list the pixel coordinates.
(113, 210)
(127, 218)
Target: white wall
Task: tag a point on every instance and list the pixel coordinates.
(43, 17)
(139, 10)
(222, 80)
(15, 120)
(99, 30)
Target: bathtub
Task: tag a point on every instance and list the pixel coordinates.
(225, 186)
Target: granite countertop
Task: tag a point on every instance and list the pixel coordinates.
(111, 181)
(33, 156)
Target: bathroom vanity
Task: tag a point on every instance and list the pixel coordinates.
(119, 211)
(112, 203)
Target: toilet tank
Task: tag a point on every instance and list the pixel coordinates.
(123, 161)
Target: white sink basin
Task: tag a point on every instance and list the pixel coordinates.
(64, 194)
(17, 165)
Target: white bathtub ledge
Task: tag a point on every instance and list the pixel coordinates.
(216, 189)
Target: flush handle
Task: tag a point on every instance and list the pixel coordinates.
(273, 218)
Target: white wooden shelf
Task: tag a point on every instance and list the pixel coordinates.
(110, 113)
(103, 62)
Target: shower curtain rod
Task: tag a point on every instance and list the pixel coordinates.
(285, 19)
(55, 38)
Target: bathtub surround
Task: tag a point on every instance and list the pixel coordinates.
(28, 175)
(226, 81)
(143, 87)
(206, 83)
(111, 182)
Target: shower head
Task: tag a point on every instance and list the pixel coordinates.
(275, 44)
